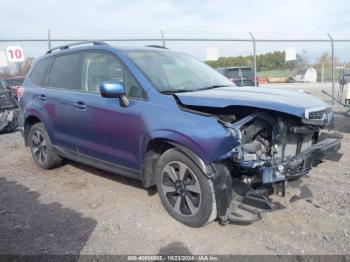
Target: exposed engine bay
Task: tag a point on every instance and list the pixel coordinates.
(266, 142)
(272, 148)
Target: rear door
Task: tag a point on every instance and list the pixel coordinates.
(36, 94)
(62, 90)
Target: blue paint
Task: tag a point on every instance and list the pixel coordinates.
(100, 127)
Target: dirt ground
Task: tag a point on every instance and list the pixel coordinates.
(76, 209)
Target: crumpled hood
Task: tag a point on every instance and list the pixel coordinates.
(290, 102)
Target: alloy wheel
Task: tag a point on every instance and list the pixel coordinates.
(39, 146)
(181, 188)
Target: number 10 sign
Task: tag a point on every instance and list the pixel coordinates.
(14, 54)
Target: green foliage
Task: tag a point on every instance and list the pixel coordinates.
(232, 61)
(24, 67)
(324, 63)
(264, 62)
(277, 73)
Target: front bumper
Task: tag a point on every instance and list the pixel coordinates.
(239, 202)
(301, 164)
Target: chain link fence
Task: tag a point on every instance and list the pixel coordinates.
(9, 103)
(322, 61)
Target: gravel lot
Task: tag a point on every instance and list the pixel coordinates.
(76, 209)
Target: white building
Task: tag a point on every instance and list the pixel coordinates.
(307, 75)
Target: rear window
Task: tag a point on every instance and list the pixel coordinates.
(232, 73)
(237, 73)
(40, 72)
(247, 73)
(65, 72)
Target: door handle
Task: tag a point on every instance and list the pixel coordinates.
(42, 97)
(80, 105)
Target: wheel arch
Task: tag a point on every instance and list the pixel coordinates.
(29, 121)
(156, 147)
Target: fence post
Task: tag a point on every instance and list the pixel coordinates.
(49, 39)
(333, 83)
(322, 73)
(163, 39)
(254, 54)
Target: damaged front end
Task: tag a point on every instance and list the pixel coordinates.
(273, 148)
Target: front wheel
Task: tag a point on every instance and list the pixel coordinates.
(185, 192)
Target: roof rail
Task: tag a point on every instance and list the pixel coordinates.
(157, 46)
(74, 44)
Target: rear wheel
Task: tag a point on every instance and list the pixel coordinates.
(41, 147)
(185, 192)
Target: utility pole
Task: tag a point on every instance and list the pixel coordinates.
(163, 39)
(322, 73)
(49, 39)
(332, 51)
(254, 54)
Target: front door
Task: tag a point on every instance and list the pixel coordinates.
(108, 131)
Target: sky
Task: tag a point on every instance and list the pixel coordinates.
(208, 18)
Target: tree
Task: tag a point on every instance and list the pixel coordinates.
(264, 62)
(5, 72)
(324, 64)
(24, 67)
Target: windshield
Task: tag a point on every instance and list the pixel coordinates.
(172, 72)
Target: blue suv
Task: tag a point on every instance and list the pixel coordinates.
(214, 151)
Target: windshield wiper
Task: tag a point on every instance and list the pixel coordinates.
(169, 92)
(211, 87)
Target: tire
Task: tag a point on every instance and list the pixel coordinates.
(185, 192)
(41, 147)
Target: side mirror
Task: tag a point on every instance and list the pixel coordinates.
(113, 89)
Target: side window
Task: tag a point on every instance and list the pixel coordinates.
(133, 89)
(65, 72)
(40, 72)
(98, 67)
